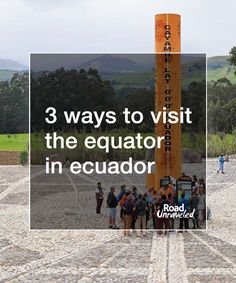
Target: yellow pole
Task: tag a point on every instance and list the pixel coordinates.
(167, 33)
(168, 94)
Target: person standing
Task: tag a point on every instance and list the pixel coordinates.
(153, 209)
(195, 181)
(194, 202)
(183, 223)
(201, 206)
(134, 218)
(99, 197)
(162, 222)
(140, 210)
(147, 198)
(202, 183)
(121, 193)
(112, 204)
(221, 164)
(122, 201)
(128, 214)
(135, 192)
(171, 203)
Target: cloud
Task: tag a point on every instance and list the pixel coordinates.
(47, 3)
(110, 26)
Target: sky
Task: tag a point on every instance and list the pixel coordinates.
(111, 26)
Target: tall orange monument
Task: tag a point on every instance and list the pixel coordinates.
(167, 97)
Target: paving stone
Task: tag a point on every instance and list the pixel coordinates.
(107, 256)
(212, 279)
(16, 198)
(14, 256)
(199, 256)
(4, 243)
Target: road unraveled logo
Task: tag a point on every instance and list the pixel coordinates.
(170, 211)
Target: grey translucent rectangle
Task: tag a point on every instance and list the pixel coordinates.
(68, 201)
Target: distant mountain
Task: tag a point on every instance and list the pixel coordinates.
(192, 69)
(7, 64)
(218, 66)
(114, 64)
(9, 67)
(136, 72)
(217, 62)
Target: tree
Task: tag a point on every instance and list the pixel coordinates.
(14, 104)
(69, 90)
(221, 106)
(232, 58)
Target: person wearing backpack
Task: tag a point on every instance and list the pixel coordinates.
(112, 204)
(121, 202)
(140, 209)
(121, 193)
(128, 207)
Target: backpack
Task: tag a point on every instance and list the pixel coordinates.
(141, 205)
(111, 200)
(127, 208)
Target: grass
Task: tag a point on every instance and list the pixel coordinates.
(14, 142)
(221, 145)
(144, 80)
(81, 154)
(216, 145)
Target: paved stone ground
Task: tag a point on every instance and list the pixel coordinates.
(106, 256)
(54, 194)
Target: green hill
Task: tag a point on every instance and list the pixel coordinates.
(218, 68)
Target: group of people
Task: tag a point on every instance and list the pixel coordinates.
(196, 204)
(137, 209)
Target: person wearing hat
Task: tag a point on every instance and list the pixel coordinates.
(221, 164)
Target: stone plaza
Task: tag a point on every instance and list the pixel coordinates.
(106, 255)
